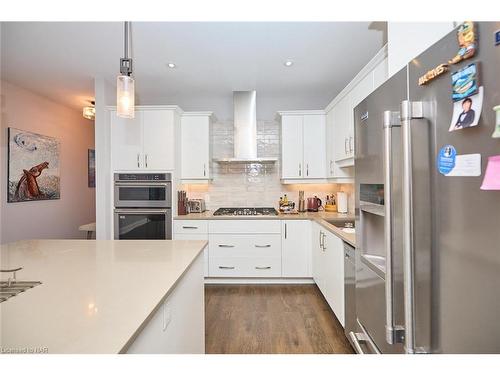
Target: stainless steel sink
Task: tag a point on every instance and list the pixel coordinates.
(12, 287)
(343, 224)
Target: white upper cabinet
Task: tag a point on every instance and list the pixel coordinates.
(195, 146)
(303, 147)
(126, 141)
(145, 142)
(314, 146)
(340, 138)
(158, 136)
(292, 146)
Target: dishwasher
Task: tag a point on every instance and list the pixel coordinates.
(349, 290)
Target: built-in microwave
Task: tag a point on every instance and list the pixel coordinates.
(143, 190)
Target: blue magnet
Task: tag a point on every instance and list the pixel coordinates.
(497, 38)
(446, 159)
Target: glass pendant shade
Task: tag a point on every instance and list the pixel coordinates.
(125, 95)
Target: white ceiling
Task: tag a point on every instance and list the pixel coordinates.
(60, 61)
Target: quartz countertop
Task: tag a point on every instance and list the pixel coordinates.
(95, 296)
(320, 217)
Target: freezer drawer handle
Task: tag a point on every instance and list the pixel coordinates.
(393, 334)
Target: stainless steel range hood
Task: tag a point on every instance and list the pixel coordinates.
(245, 130)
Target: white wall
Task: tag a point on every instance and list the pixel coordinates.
(406, 40)
(59, 218)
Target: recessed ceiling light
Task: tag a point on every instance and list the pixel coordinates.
(171, 65)
(288, 63)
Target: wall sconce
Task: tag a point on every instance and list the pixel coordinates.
(89, 111)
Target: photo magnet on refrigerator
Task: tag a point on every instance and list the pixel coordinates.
(466, 113)
(491, 179)
(496, 133)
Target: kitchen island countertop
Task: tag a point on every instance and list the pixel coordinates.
(320, 217)
(95, 296)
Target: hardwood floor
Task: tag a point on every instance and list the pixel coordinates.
(265, 319)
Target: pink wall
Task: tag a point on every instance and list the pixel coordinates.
(60, 218)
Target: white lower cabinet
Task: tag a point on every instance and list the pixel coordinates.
(193, 230)
(244, 255)
(296, 248)
(328, 268)
(178, 324)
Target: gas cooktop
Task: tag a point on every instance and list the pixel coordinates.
(246, 211)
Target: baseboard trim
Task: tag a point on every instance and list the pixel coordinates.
(243, 280)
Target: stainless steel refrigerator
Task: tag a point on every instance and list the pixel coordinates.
(427, 244)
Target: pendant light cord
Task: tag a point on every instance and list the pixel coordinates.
(126, 27)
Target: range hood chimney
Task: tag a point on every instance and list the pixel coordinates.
(245, 129)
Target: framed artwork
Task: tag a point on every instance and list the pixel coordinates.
(33, 167)
(91, 168)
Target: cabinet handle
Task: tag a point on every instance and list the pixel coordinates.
(351, 146)
(263, 268)
(146, 160)
(226, 268)
(186, 227)
(138, 161)
(321, 239)
(324, 241)
(331, 162)
(226, 245)
(204, 170)
(307, 169)
(345, 145)
(285, 231)
(300, 170)
(262, 245)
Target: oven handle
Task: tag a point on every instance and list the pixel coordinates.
(141, 211)
(141, 184)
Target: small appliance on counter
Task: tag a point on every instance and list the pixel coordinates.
(302, 202)
(286, 206)
(330, 204)
(182, 203)
(341, 202)
(197, 205)
(314, 204)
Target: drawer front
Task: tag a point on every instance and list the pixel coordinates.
(244, 267)
(190, 226)
(245, 226)
(245, 245)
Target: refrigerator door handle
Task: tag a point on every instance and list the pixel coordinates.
(394, 334)
(409, 110)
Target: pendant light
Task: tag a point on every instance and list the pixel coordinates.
(125, 92)
(89, 111)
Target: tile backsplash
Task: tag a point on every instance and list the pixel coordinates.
(253, 184)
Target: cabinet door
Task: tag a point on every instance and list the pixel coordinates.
(330, 143)
(334, 274)
(296, 248)
(195, 135)
(314, 146)
(341, 119)
(126, 142)
(317, 255)
(292, 147)
(158, 136)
